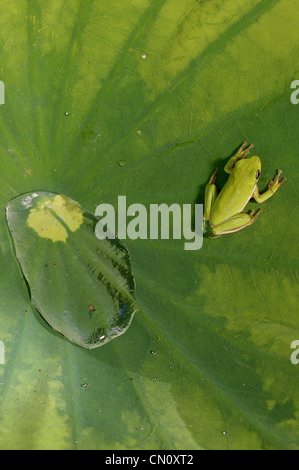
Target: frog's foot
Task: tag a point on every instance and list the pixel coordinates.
(243, 152)
(275, 183)
(236, 223)
(272, 188)
(254, 215)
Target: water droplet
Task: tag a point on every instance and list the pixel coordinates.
(49, 218)
(84, 384)
(122, 162)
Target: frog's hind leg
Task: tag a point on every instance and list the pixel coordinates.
(236, 223)
(211, 193)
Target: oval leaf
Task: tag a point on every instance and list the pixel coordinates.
(82, 286)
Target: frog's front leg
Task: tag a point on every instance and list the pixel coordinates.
(211, 193)
(272, 188)
(236, 223)
(241, 153)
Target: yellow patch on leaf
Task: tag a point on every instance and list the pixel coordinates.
(54, 217)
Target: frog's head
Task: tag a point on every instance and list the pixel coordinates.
(249, 169)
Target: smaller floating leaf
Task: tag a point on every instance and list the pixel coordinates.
(82, 286)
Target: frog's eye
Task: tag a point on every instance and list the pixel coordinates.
(257, 175)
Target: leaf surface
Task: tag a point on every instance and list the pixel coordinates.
(145, 99)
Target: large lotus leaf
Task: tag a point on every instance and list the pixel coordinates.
(145, 98)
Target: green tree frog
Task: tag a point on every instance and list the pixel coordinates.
(223, 213)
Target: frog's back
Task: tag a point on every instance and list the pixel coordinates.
(234, 196)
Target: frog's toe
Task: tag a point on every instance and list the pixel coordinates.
(254, 215)
(275, 181)
(246, 151)
(242, 152)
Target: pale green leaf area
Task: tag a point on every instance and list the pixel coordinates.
(144, 98)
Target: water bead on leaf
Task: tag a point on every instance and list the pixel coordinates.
(89, 296)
